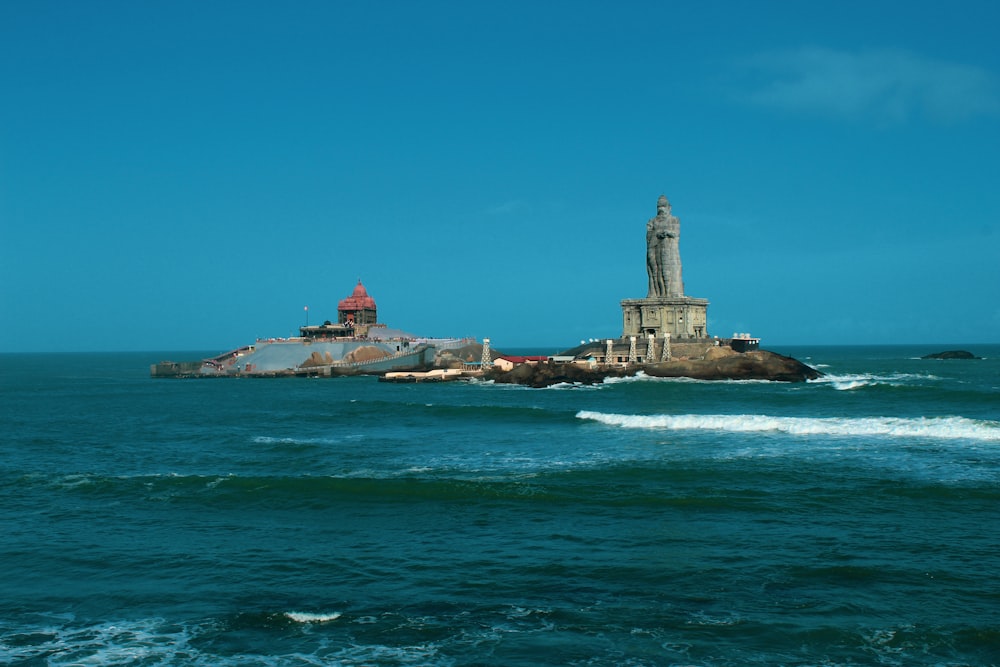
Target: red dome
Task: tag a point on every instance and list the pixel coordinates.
(359, 300)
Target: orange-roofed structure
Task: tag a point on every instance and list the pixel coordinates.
(357, 309)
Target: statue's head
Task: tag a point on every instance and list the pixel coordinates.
(663, 204)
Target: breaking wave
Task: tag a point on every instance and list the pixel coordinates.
(642, 377)
(950, 428)
(304, 617)
(850, 381)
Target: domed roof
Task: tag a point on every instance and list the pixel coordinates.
(359, 300)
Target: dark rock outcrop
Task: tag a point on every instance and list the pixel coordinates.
(951, 354)
(754, 365)
(550, 373)
(722, 365)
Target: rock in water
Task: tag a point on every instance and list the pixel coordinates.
(549, 373)
(756, 365)
(951, 354)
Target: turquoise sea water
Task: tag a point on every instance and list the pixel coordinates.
(854, 520)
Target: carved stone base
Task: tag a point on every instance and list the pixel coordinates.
(681, 317)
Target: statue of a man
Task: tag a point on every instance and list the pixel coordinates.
(663, 256)
(654, 239)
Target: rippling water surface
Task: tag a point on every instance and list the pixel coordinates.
(854, 520)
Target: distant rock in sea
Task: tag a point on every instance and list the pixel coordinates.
(951, 354)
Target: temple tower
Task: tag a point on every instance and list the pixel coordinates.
(358, 309)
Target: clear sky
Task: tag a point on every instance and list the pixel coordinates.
(191, 175)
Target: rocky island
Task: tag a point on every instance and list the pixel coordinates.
(951, 354)
(663, 335)
(699, 361)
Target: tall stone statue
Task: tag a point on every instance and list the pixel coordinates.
(665, 311)
(663, 255)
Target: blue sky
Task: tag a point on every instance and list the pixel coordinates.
(190, 176)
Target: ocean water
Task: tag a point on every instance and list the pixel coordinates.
(854, 520)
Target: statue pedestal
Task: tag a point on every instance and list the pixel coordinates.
(681, 317)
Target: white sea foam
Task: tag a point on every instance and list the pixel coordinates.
(572, 385)
(642, 377)
(137, 642)
(849, 381)
(910, 427)
(305, 617)
(157, 642)
(614, 380)
(270, 440)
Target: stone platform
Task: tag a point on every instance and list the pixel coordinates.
(682, 317)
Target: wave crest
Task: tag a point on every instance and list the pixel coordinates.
(305, 617)
(850, 381)
(950, 428)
